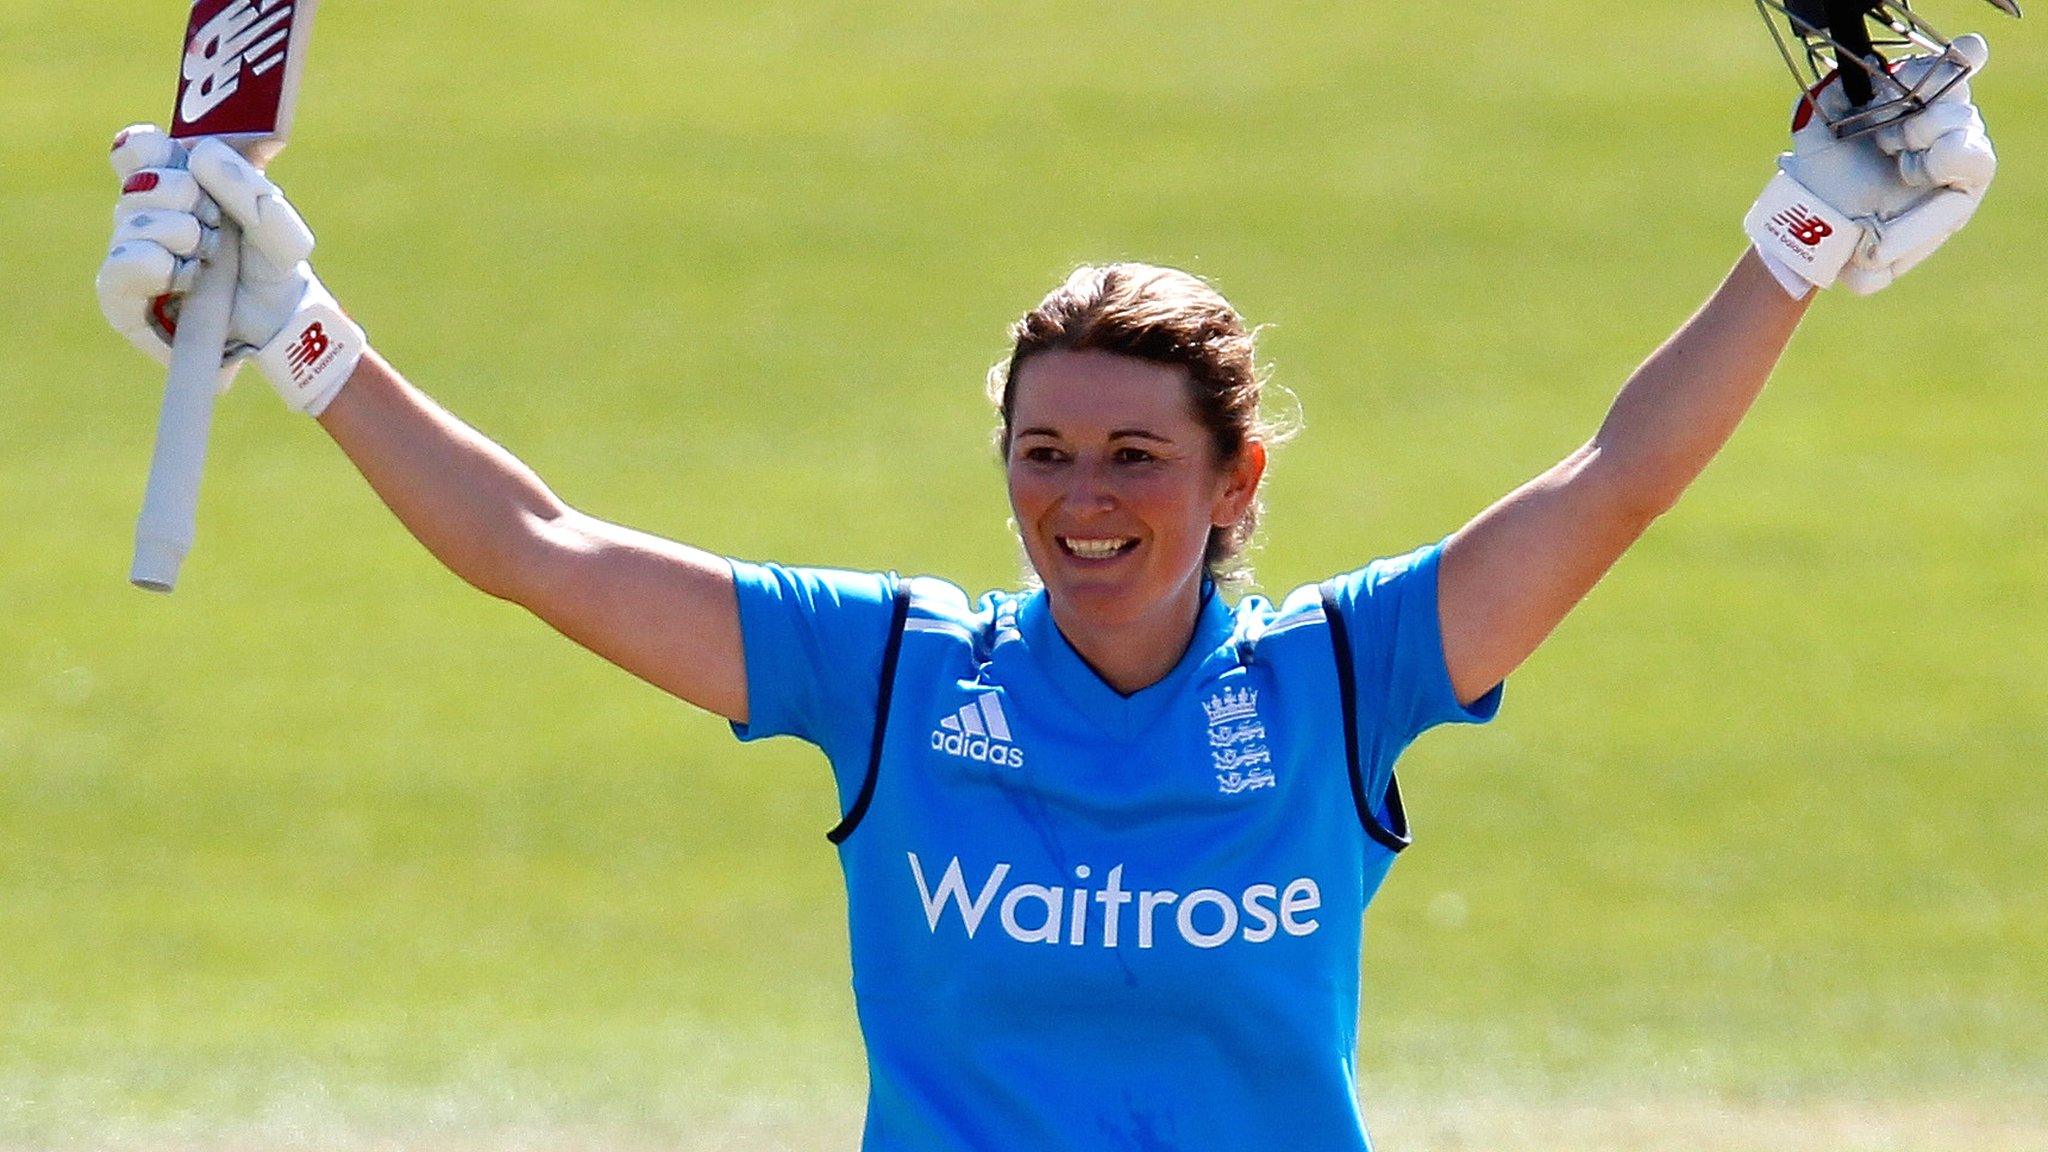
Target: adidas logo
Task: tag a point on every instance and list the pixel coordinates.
(978, 731)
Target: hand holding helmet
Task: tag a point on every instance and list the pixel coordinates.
(1867, 208)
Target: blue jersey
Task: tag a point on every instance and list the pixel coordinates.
(1083, 920)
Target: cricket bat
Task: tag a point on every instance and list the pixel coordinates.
(237, 83)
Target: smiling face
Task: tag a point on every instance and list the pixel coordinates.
(1116, 485)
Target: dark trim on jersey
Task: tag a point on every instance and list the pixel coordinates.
(889, 653)
(1392, 839)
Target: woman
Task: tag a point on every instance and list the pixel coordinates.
(1108, 842)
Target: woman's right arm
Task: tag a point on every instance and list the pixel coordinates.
(663, 611)
(666, 613)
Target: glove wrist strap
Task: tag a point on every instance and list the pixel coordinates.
(1792, 282)
(312, 356)
(1801, 231)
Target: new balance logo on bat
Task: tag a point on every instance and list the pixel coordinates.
(249, 35)
(979, 731)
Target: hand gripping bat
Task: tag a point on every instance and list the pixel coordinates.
(238, 83)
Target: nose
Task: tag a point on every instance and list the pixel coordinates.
(1091, 485)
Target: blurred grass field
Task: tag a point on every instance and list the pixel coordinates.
(329, 851)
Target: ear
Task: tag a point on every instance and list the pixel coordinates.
(1240, 484)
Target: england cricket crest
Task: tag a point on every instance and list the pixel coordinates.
(1237, 741)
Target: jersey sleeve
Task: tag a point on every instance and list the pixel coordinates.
(1403, 684)
(813, 639)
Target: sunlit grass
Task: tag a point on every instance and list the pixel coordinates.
(328, 850)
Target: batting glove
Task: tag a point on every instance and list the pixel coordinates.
(1866, 209)
(166, 224)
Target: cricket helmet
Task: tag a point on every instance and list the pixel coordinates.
(1822, 38)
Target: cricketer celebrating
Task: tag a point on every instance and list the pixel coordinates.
(1108, 841)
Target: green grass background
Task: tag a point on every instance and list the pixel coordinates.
(328, 850)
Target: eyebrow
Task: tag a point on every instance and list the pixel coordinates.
(1118, 434)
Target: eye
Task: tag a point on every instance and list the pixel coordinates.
(1040, 454)
(1134, 456)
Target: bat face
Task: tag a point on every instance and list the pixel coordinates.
(241, 71)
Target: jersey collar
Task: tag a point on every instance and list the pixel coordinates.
(1120, 716)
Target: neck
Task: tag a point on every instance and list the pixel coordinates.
(1133, 654)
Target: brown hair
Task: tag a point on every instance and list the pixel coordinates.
(1165, 316)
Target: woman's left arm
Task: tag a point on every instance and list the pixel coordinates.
(1507, 578)
(1861, 208)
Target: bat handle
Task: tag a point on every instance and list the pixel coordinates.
(170, 504)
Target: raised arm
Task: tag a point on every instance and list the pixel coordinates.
(1863, 209)
(665, 612)
(1508, 577)
(662, 611)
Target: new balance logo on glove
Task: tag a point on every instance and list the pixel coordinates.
(1801, 231)
(1804, 226)
(307, 349)
(312, 356)
(979, 731)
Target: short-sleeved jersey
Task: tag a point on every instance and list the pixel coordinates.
(1084, 920)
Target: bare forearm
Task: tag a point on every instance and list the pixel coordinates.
(472, 503)
(1685, 401)
(1511, 574)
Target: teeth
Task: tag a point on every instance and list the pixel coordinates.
(1095, 549)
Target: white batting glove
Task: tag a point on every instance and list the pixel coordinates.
(1867, 209)
(166, 224)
